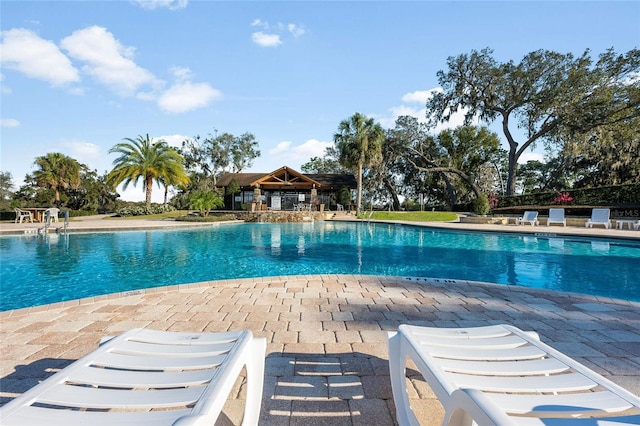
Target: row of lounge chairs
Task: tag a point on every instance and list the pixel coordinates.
(599, 216)
(491, 375)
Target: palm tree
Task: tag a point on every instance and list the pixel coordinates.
(359, 144)
(57, 172)
(142, 158)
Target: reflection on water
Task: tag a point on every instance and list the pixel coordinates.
(275, 240)
(600, 246)
(38, 269)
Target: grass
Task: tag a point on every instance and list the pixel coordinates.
(179, 215)
(167, 215)
(428, 216)
(416, 216)
(411, 216)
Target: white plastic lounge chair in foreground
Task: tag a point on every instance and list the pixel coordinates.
(528, 217)
(147, 377)
(556, 216)
(500, 375)
(599, 217)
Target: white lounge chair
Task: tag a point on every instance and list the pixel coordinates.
(53, 214)
(599, 217)
(528, 217)
(22, 214)
(500, 375)
(147, 377)
(556, 216)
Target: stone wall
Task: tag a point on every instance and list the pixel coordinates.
(283, 216)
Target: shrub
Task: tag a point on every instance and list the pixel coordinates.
(493, 201)
(213, 217)
(563, 198)
(481, 205)
(204, 201)
(142, 210)
(605, 195)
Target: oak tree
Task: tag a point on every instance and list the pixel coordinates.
(548, 95)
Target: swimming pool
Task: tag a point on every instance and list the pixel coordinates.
(42, 269)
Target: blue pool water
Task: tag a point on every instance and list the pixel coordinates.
(41, 269)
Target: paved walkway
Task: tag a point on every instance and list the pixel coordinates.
(327, 354)
(106, 223)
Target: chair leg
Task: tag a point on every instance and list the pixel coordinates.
(397, 373)
(255, 377)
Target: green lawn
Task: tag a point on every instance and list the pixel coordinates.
(180, 215)
(411, 216)
(428, 216)
(168, 215)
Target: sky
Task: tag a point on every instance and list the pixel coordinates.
(77, 77)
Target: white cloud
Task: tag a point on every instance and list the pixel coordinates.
(270, 36)
(4, 89)
(107, 60)
(137, 194)
(87, 153)
(531, 156)
(280, 148)
(9, 122)
(25, 51)
(187, 96)
(402, 110)
(295, 30)
(173, 140)
(457, 119)
(181, 73)
(266, 40)
(155, 4)
(84, 152)
(420, 97)
(259, 23)
(296, 155)
(633, 78)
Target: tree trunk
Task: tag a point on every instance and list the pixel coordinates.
(468, 179)
(149, 187)
(513, 154)
(394, 194)
(453, 199)
(500, 177)
(359, 198)
(511, 179)
(166, 194)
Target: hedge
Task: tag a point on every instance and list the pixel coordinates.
(600, 196)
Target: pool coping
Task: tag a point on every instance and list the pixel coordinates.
(99, 224)
(419, 280)
(327, 356)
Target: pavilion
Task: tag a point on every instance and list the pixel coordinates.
(286, 189)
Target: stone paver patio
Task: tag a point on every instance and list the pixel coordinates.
(327, 354)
